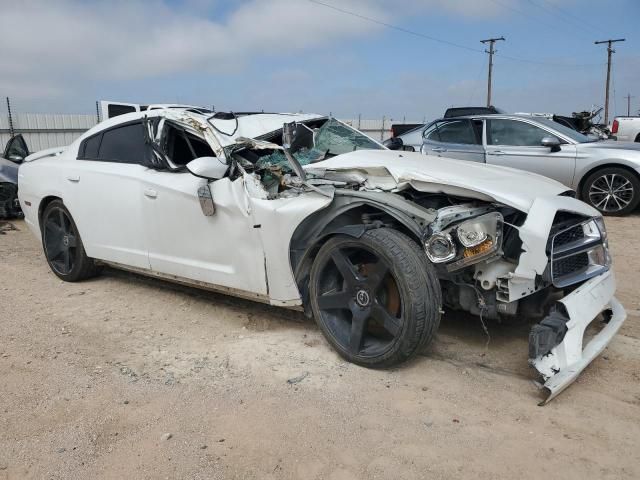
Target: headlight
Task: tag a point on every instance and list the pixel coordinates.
(479, 238)
(471, 234)
(440, 247)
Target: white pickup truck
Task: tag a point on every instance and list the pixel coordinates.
(626, 129)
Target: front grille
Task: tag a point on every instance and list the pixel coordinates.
(577, 251)
(566, 266)
(570, 235)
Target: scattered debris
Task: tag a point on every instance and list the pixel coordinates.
(298, 379)
(167, 436)
(6, 227)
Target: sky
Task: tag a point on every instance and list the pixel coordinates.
(404, 59)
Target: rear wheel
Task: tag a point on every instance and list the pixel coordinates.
(376, 299)
(63, 246)
(612, 191)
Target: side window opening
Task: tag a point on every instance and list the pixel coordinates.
(181, 146)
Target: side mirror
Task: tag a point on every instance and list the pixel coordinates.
(552, 143)
(393, 143)
(210, 168)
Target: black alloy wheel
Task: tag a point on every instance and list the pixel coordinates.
(63, 246)
(376, 298)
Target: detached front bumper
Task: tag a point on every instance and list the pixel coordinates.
(562, 364)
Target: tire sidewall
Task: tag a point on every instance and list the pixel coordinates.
(618, 171)
(80, 257)
(412, 311)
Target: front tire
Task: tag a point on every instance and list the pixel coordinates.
(63, 246)
(376, 298)
(612, 191)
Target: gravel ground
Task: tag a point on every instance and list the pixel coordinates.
(127, 377)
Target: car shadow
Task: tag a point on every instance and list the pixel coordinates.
(461, 339)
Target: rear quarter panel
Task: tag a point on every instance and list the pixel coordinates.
(39, 179)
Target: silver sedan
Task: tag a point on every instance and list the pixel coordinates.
(605, 174)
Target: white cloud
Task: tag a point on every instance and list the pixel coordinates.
(138, 39)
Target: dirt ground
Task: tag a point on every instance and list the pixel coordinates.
(126, 377)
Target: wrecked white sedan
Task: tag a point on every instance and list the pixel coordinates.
(305, 212)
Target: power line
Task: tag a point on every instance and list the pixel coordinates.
(526, 15)
(395, 27)
(442, 41)
(570, 15)
(553, 15)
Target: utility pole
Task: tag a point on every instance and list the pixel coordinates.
(491, 51)
(629, 97)
(610, 51)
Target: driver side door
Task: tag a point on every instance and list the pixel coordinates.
(223, 249)
(517, 144)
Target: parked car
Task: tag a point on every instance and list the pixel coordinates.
(626, 129)
(305, 212)
(605, 174)
(412, 137)
(15, 152)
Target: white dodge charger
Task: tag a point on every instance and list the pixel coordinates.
(303, 211)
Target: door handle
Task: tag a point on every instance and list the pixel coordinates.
(438, 149)
(495, 152)
(151, 193)
(73, 178)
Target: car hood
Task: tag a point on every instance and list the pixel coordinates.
(394, 171)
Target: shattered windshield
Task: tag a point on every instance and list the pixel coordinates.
(312, 145)
(335, 138)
